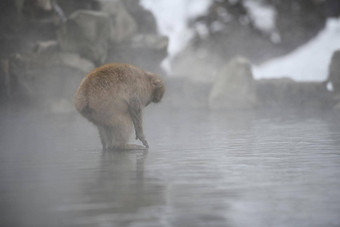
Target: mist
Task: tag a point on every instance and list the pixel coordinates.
(247, 133)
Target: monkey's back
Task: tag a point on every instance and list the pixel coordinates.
(105, 91)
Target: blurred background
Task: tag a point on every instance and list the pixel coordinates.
(49, 45)
(247, 134)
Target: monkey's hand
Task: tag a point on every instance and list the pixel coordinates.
(135, 110)
(145, 143)
(142, 138)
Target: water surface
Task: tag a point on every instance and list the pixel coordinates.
(202, 169)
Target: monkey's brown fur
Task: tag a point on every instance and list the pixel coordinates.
(112, 97)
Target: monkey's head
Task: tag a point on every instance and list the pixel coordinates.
(158, 88)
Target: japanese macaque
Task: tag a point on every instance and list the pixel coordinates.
(113, 97)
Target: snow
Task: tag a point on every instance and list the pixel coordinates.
(172, 17)
(263, 17)
(308, 62)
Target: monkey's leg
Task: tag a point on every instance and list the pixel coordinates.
(135, 111)
(105, 137)
(109, 136)
(121, 127)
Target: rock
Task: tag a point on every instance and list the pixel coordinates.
(35, 8)
(234, 87)
(48, 79)
(196, 61)
(185, 94)
(274, 92)
(44, 46)
(153, 42)
(123, 26)
(44, 4)
(75, 62)
(145, 51)
(334, 71)
(86, 33)
(336, 99)
(5, 87)
(285, 92)
(230, 28)
(70, 6)
(146, 21)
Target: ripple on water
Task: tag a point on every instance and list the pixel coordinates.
(202, 169)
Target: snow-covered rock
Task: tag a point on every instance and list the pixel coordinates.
(308, 62)
(172, 17)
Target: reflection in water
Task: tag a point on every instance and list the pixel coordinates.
(119, 194)
(203, 169)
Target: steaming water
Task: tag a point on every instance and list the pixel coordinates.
(202, 169)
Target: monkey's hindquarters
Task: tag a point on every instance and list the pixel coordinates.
(80, 100)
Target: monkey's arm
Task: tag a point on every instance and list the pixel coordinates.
(135, 111)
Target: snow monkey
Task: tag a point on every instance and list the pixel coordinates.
(112, 97)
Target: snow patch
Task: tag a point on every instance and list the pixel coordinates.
(172, 17)
(264, 18)
(307, 63)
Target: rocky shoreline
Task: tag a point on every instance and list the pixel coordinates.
(66, 41)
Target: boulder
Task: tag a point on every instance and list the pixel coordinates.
(285, 92)
(145, 51)
(197, 61)
(146, 21)
(274, 92)
(153, 42)
(46, 46)
(234, 87)
(336, 99)
(182, 93)
(34, 8)
(123, 26)
(334, 72)
(70, 6)
(86, 33)
(47, 79)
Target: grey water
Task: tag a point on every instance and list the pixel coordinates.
(260, 168)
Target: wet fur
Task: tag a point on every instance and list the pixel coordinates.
(113, 97)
